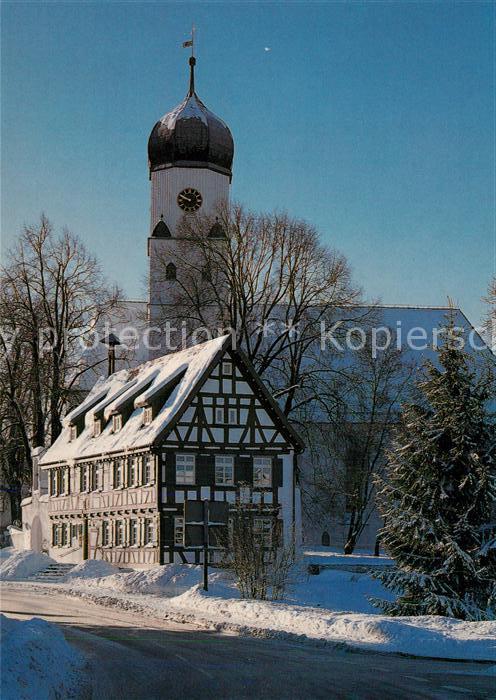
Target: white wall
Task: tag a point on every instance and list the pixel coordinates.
(166, 185)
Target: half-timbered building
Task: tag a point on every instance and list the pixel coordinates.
(193, 425)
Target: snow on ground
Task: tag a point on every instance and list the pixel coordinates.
(37, 662)
(328, 555)
(332, 606)
(6, 552)
(20, 565)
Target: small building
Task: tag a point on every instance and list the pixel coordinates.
(192, 425)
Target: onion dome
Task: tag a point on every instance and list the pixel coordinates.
(191, 136)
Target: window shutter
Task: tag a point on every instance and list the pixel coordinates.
(168, 530)
(204, 470)
(243, 470)
(277, 472)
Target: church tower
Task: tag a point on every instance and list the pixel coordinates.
(190, 154)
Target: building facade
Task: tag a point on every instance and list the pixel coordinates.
(193, 425)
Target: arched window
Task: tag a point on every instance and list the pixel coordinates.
(216, 231)
(170, 272)
(326, 540)
(161, 230)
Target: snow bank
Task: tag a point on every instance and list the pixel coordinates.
(422, 636)
(6, 552)
(332, 607)
(91, 569)
(22, 564)
(328, 555)
(168, 580)
(37, 662)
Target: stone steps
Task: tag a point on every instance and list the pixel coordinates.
(54, 573)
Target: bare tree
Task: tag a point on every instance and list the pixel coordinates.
(52, 294)
(348, 453)
(261, 563)
(490, 320)
(271, 280)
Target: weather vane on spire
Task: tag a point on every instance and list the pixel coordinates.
(192, 59)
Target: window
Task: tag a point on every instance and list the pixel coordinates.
(224, 470)
(262, 471)
(66, 478)
(233, 416)
(133, 532)
(55, 535)
(119, 533)
(133, 471)
(326, 540)
(226, 368)
(118, 482)
(148, 469)
(179, 531)
(72, 433)
(219, 414)
(84, 478)
(117, 422)
(262, 530)
(53, 482)
(97, 475)
(148, 531)
(147, 415)
(97, 427)
(105, 533)
(170, 272)
(63, 534)
(185, 469)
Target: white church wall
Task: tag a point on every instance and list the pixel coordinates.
(168, 183)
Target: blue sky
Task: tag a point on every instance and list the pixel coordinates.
(374, 121)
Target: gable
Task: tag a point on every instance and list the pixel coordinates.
(228, 411)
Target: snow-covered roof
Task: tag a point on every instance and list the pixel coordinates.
(139, 385)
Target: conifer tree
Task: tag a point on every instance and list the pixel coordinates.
(438, 494)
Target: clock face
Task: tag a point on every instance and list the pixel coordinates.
(189, 199)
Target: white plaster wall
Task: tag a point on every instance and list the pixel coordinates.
(166, 185)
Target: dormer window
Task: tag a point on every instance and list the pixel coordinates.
(97, 427)
(147, 415)
(72, 432)
(117, 423)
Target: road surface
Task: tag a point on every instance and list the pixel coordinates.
(133, 657)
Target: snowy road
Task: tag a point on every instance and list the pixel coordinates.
(133, 657)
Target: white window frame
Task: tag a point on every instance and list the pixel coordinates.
(223, 464)
(148, 471)
(133, 532)
(84, 479)
(98, 476)
(118, 470)
(178, 531)
(262, 530)
(185, 469)
(148, 531)
(55, 535)
(262, 471)
(147, 415)
(133, 471)
(97, 427)
(106, 533)
(120, 533)
(72, 432)
(66, 480)
(117, 422)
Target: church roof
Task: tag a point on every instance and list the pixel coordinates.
(191, 136)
